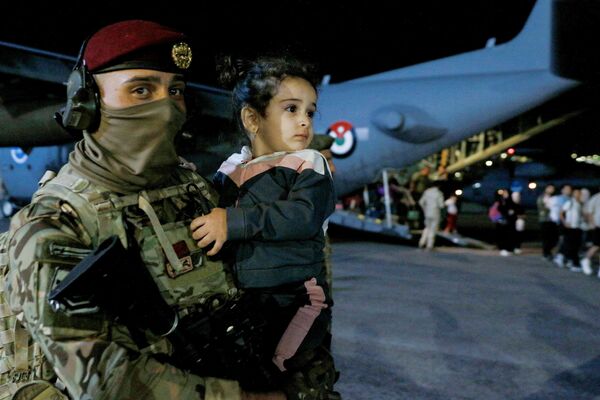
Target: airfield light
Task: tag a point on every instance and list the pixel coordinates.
(510, 150)
(591, 159)
(503, 156)
(532, 185)
(476, 185)
(457, 175)
(573, 155)
(458, 192)
(489, 163)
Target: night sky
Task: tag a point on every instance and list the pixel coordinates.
(344, 40)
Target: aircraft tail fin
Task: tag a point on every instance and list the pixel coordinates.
(529, 50)
(532, 44)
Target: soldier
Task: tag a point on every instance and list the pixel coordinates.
(123, 185)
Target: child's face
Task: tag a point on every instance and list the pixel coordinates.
(288, 121)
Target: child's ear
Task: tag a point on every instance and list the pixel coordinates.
(250, 119)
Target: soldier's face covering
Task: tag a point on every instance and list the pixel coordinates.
(133, 148)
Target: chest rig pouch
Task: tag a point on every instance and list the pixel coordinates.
(158, 220)
(181, 269)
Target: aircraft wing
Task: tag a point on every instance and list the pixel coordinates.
(36, 64)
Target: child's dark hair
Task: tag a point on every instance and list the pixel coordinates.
(256, 82)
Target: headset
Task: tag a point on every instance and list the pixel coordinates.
(82, 109)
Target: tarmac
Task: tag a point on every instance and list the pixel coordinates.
(459, 323)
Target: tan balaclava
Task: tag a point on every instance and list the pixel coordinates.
(133, 148)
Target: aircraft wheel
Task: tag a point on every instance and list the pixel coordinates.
(8, 208)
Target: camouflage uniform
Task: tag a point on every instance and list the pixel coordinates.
(94, 357)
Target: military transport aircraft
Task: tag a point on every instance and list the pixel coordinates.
(390, 119)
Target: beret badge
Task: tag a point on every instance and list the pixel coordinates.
(182, 55)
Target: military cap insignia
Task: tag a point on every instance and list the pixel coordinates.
(182, 55)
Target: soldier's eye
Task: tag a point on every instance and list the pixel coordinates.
(176, 92)
(141, 91)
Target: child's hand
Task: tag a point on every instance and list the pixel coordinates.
(211, 228)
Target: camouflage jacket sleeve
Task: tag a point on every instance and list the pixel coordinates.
(93, 358)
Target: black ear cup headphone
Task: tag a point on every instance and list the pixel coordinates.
(83, 105)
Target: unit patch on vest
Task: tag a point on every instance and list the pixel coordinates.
(184, 255)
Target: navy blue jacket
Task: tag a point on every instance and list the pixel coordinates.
(277, 208)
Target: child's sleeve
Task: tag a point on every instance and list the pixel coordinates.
(310, 201)
(227, 189)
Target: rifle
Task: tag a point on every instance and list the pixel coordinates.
(225, 341)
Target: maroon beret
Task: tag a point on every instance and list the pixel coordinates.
(137, 44)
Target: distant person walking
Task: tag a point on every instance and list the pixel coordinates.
(585, 226)
(432, 202)
(519, 221)
(556, 205)
(572, 219)
(549, 228)
(505, 224)
(451, 213)
(592, 214)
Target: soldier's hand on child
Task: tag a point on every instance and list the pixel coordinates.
(211, 228)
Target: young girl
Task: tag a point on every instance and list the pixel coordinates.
(276, 197)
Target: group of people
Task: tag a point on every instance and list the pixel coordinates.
(568, 221)
(236, 297)
(420, 204)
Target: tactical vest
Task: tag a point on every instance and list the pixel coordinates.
(181, 270)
